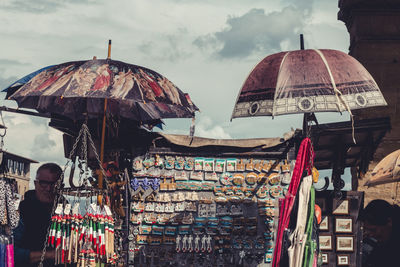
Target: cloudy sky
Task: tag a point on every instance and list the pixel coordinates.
(207, 48)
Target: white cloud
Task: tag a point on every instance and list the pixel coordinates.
(159, 34)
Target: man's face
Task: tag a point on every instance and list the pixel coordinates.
(44, 186)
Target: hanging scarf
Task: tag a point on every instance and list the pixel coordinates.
(305, 156)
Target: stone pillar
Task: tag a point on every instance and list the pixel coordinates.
(374, 28)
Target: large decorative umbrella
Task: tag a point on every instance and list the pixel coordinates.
(78, 89)
(305, 81)
(386, 171)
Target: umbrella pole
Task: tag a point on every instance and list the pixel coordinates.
(103, 130)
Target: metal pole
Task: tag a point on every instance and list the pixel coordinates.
(103, 132)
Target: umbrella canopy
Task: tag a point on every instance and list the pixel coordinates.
(305, 81)
(386, 171)
(78, 89)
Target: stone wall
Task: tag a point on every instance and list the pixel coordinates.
(374, 28)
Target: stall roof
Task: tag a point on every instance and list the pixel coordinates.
(334, 146)
(198, 146)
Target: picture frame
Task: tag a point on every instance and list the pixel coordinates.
(325, 258)
(340, 207)
(343, 225)
(343, 260)
(345, 243)
(324, 225)
(325, 242)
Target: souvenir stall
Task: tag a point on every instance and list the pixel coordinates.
(205, 202)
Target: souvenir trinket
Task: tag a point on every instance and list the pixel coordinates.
(170, 230)
(142, 239)
(180, 206)
(236, 210)
(222, 210)
(267, 166)
(149, 206)
(275, 191)
(157, 230)
(274, 178)
(220, 199)
(138, 164)
(225, 178)
(258, 165)
(251, 178)
(189, 164)
(169, 163)
(169, 240)
(231, 165)
(240, 166)
(179, 163)
(188, 218)
(159, 162)
(196, 175)
(148, 162)
(181, 176)
(211, 176)
(220, 165)
(145, 229)
(169, 208)
(137, 218)
(178, 246)
(286, 167)
(208, 165)
(238, 179)
(198, 164)
(250, 166)
(286, 178)
(190, 206)
(262, 192)
(276, 166)
(163, 219)
(172, 185)
(184, 229)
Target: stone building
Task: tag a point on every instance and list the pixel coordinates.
(18, 168)
(374, 28)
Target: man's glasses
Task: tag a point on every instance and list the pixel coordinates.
(46, 183)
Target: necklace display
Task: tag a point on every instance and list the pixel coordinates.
(197, 210)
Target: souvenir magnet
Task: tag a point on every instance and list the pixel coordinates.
(179, 163)
(220, 165)
(238, 179)
(211, 176)
(251, 178)
(274, 178)
(250, 165)
(225, 178)
(231, 165)
(198, 164)
(138, 164)
(189, 164)
(240, 166)
(208, 165)
(258, 166)
(275, 191)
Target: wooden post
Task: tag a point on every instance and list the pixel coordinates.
(103, 132)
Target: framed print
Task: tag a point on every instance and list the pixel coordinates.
(324, 225)
(343, 260)
(325, 242)
(325, 258)
(340, 207)
(343, 225)
(345, 243)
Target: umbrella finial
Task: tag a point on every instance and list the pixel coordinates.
(109, 49)
(301, 42)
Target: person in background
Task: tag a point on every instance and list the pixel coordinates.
(35, 216)
(381, 234)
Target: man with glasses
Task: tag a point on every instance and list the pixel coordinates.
(35, 212)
